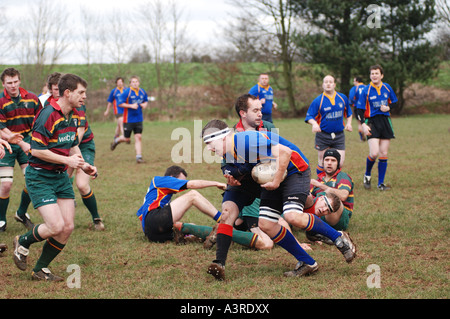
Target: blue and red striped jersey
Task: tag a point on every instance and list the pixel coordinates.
(159, 194)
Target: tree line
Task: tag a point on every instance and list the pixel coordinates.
(409, 38)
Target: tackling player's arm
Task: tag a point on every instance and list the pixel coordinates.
(199, 183)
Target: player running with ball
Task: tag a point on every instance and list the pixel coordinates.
(278, 197)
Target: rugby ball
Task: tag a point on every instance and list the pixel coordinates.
(265, 172)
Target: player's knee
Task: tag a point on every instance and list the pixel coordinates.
(68, 228)
(56, 227)
(296, 219)
(83, 188)
(262, 244)
(265, 225)
(6, 185)
(193, 194)
(228, 217)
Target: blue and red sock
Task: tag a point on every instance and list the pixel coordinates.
(369, 165)
(285, 239)
(382, 167)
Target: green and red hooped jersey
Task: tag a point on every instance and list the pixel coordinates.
(52, 131)
(341, 181)
(88, 135)
(17, 114)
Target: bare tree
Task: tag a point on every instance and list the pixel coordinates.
(443, 11)
(154, 17)
(177, 40)
(275, 21)
(443, 27)
(88, 23)
(117, 37)
(41, 38)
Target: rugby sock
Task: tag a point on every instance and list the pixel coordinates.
(24, 203)
(196, 230)
(285, 239)
(4, 202)
(50, 250)
(319, 169)
(223, 242)
(382, 167)
(369, 164)
(217, 216)
(91, 204)
(30, 237)
(317, 225)
(245, 238)
(241, 237)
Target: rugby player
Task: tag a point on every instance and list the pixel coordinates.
(278, 197)
(329, 114)
(158, 214)
(353, 97)
(117, 110)
(374, 104)
(132, 100)
(54, 147)
(18, 108)
(334, 180)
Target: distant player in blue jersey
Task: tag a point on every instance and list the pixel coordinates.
(133, 100)
(374, 104)
(353, 97)
(278, 197)
(118, 111)
(264, 92)
(158, 214)
(329, 114)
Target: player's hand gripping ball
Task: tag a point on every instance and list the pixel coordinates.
(265, 172)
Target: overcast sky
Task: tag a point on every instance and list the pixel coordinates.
(204, 17)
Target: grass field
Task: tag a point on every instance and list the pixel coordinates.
(404, 231)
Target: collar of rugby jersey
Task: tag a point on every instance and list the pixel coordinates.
(135, 90)
(264, 87)
(240, 126)
(322, 175)
(332, 98)
(378, 88)
(22, 93)
(57, 107)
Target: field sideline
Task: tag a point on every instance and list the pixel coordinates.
(404, 232)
